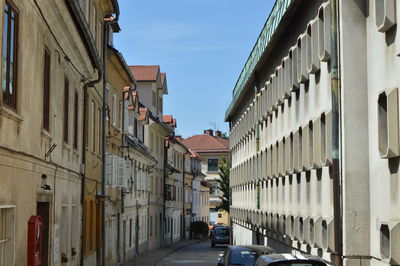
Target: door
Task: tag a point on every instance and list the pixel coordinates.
(42, 210)
(124, 241)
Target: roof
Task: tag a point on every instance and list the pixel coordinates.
(169, 119)
(163, 78)
(270, 26)
(145, 73)
(207, 143)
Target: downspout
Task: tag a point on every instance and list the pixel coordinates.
(164, 195)
(106, 29)
(336, 138)
(183, 229)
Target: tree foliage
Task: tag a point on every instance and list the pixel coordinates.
(224, 168)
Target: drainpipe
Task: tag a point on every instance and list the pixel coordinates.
(106, 29)
(336, 138)
(183, 201)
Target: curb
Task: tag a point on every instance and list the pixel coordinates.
(176, 249)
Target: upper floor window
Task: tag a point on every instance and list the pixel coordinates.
(154, 99)
(9, 77)
(66, 109)
(114, 109)
(212, 165)
(46, 90)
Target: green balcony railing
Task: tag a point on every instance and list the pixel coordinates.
(270, 26)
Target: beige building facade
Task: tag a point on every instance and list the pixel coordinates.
(314, 133)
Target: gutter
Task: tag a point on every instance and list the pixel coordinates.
(336, 137)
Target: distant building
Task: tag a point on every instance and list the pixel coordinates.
(212, 149)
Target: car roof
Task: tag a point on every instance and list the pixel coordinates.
(258, 248)
(267, 259)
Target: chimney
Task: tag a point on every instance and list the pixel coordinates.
(218, 133)
(209, 132)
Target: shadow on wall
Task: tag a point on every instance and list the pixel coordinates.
(277, 246)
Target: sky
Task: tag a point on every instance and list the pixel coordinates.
(202, 45)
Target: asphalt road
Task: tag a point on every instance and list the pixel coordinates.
(201, 254)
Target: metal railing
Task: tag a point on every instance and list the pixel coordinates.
(265, 36)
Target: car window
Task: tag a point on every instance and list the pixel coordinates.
(243, 257)
(222, 231)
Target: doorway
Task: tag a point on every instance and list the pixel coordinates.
(43, 210)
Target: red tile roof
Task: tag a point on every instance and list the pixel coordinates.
(145, 73)
(207, 143)
(168, 119)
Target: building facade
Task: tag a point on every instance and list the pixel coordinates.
(41, 110)
(212, 150)
(314, 133)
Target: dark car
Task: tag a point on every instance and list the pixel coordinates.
(243, 255)
(220, 235)
(289, 260)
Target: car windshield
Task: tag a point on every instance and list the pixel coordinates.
(222, 231)
(243, 257)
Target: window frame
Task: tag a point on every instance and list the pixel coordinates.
(66, 110)
(46, 89)
(76, 113)
(13, 99)
(208, 165)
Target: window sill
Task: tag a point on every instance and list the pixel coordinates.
(46, 134)
(11, 114)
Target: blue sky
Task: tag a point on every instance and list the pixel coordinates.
(202, 45)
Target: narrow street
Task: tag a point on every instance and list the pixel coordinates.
(198, 254)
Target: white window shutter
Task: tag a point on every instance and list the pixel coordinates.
(120, 172)
(109, 169)
(115, 170)
(127, 173)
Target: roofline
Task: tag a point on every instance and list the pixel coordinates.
(273, 21)
(123, 63)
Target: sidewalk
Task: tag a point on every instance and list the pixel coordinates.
(152, 257)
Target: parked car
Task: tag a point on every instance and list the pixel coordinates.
(243, 255)
(220, 235)
(289, 260)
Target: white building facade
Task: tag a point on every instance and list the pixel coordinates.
(314, 133)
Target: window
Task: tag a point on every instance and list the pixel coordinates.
(9, 77)
(151, 225)
(107, 98)
(100, 128)
(160, 105)
(76, 120)
(46, 90)
(114, 110)
(136, 128)
(66, 109)
(130, 233)
(7, 236)
(219, 215)
(93, 126)
(120, 115)
(212, 165)
(154, 99)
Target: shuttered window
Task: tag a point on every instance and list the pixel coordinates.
(46, 90)
(76, 120)
(66, 109)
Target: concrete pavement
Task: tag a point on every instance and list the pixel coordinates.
(199, 254)
(152, 257)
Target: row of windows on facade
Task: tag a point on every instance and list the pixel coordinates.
(156, 143)
(10, 74)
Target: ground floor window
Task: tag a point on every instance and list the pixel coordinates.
(7, 237)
